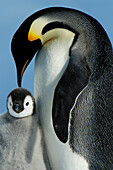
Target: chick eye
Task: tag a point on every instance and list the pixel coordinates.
(10, 104)
(27, 103)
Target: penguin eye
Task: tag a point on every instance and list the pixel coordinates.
(27, 103)
(10, 104)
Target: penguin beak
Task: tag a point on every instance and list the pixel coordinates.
(24, 67)
(21, 72)
(18, 107)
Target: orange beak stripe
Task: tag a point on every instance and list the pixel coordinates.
(24, 69)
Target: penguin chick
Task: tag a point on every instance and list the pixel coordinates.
(20, 103)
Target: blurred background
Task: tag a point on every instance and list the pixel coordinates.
(13, 13)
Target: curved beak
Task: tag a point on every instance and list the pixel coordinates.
(21, 72)
(18, 107)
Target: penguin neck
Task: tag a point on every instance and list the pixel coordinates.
(50, 64)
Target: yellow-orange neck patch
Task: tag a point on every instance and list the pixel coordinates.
(32, 36)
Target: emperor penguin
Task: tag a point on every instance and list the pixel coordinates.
(21, 142)
(73, 85)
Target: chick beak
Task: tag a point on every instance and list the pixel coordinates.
(17, 107)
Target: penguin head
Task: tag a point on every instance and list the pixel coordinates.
(37, 30)
(20, 103)
(23, 50)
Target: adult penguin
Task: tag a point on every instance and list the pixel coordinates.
(73, 85)
(21, 142)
